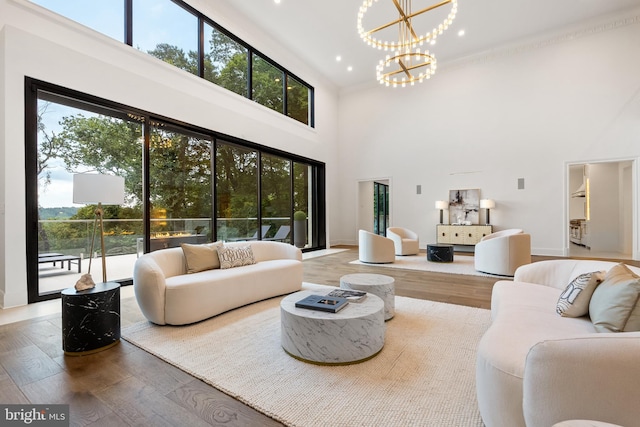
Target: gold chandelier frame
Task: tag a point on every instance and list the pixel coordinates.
(408, 64)
(405, 18)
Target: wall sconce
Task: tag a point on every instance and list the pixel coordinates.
(487, 204)
(442, 205)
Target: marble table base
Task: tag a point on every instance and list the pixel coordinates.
(354, 334)
(90, 319)
(440, 253)
(376, 284)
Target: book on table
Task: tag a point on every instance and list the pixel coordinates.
(322, 303)
(349, 294)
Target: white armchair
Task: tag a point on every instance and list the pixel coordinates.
(375, 249)
(406, 242)
(502, 252)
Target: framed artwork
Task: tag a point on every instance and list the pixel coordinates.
(464, 207)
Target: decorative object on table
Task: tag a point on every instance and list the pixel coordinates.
(90, 319)
(410, 64)
(376, 284)
(322, 303)
(464, 206)
(487, 204)
(442, 205)
(349, 295)
(97, 188)
(300, 229)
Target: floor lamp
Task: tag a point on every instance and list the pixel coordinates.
(100, 189)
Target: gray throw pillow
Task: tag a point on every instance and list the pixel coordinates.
(614, 304)
(201, 257)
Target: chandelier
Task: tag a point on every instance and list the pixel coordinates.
(408, 64)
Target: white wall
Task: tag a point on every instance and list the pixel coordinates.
(39, 44)
(489, 120)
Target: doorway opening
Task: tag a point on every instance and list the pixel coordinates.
(600, 209)
(374, 205)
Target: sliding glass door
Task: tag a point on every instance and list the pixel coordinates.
(179, 186)
(77, 137)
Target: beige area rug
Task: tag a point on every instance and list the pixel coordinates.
(462, 264)
(424, 375)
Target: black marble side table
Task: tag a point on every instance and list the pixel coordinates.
(90, 319)
(440, 253)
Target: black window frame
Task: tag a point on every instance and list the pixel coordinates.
(32, 87)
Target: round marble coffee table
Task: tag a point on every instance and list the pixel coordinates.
(354, 334)
(376, 284)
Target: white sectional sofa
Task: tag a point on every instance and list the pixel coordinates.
(536, 368)
(167, 294)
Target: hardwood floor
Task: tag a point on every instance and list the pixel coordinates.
(126, 386)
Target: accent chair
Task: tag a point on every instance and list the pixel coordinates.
(375, 249)
(502, 252)
(406, 242)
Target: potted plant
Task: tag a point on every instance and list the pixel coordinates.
(300, 229)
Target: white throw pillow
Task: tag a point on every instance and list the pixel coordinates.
(236, 256)
(574, 301)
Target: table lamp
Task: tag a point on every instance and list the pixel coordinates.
(442, 205)
(487, 204)
(100, 189)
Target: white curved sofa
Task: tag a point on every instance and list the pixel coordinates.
(166, 294)
(536, 368)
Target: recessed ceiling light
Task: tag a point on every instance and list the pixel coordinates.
(276, 1)
(338, 58)
(349, 68)
(461, 33)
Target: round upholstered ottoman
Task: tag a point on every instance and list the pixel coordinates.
(376, 284)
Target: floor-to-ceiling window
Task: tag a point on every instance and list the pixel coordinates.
(179, 179)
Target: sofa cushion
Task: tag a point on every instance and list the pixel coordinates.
(574, 300)
(201, 257)
(235, 256)
(614, 304)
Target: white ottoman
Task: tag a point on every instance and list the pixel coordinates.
(376, 284)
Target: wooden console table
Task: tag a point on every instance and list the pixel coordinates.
(462, 234)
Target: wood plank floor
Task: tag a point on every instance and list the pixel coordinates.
(126, 386)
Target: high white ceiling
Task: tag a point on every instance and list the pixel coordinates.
(318, 31)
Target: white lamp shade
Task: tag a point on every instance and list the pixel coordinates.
(487, 204)
(96, 188)
(442, 204)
